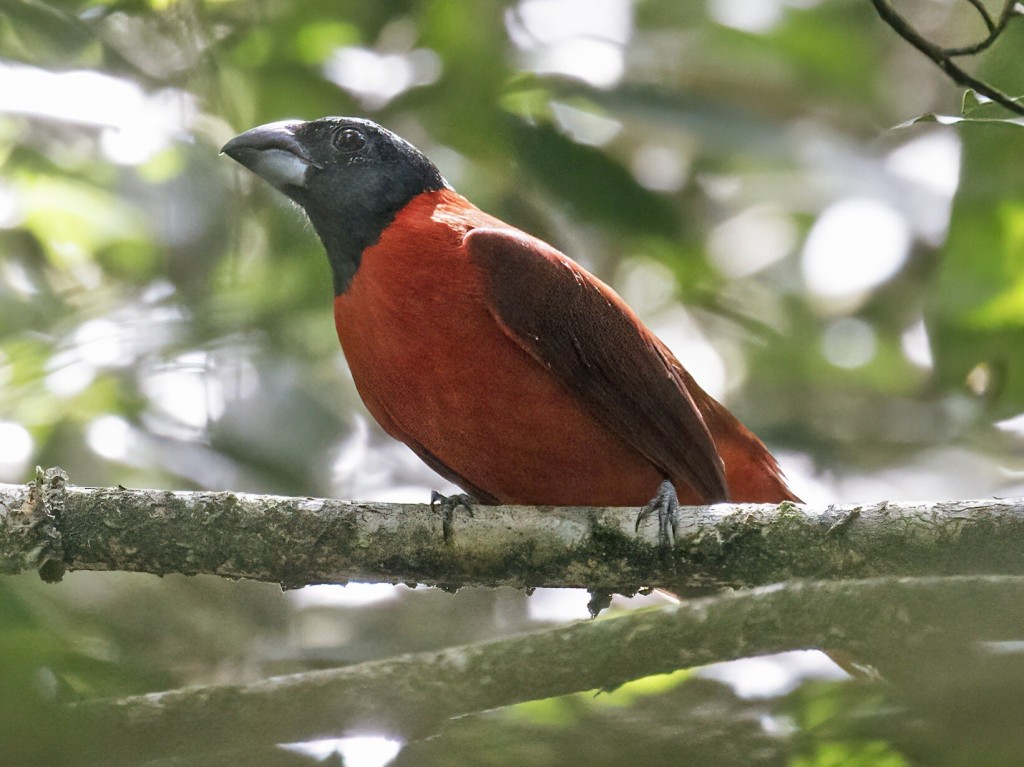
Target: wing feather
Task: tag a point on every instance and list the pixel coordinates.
(580, 330)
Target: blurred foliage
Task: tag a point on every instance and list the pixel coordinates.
(165, 320)
(698, 722)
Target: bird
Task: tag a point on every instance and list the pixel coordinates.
(508, 368)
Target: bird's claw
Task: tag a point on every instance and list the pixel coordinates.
(666, 505)
(446, 505)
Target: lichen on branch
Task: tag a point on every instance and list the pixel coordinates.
(299, 541)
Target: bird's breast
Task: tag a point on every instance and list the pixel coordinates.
(437, 371)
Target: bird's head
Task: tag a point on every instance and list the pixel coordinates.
(351, 176)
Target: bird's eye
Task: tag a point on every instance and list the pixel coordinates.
(349, 140)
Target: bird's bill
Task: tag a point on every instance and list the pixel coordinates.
(273, 153)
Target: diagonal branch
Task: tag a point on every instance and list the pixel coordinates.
(907, 626)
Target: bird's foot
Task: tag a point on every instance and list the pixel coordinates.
(666, 505)
(446, 505)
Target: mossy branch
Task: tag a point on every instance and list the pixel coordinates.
(54, 526)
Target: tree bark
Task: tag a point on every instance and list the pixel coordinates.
(54, 526)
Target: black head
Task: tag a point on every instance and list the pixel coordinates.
(351, 176)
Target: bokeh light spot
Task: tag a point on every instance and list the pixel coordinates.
(109, 437)
(854, 246)
(751, 241)
(848, 343)
(16, 446)
(363, 751)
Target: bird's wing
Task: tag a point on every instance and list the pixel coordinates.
(580, 330)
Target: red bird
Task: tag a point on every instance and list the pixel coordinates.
(507, 367)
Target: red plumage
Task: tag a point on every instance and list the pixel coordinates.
(439, 370)
(505, 365)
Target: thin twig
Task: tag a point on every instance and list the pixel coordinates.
(979, 6)
(941, 57)
(994, 28)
